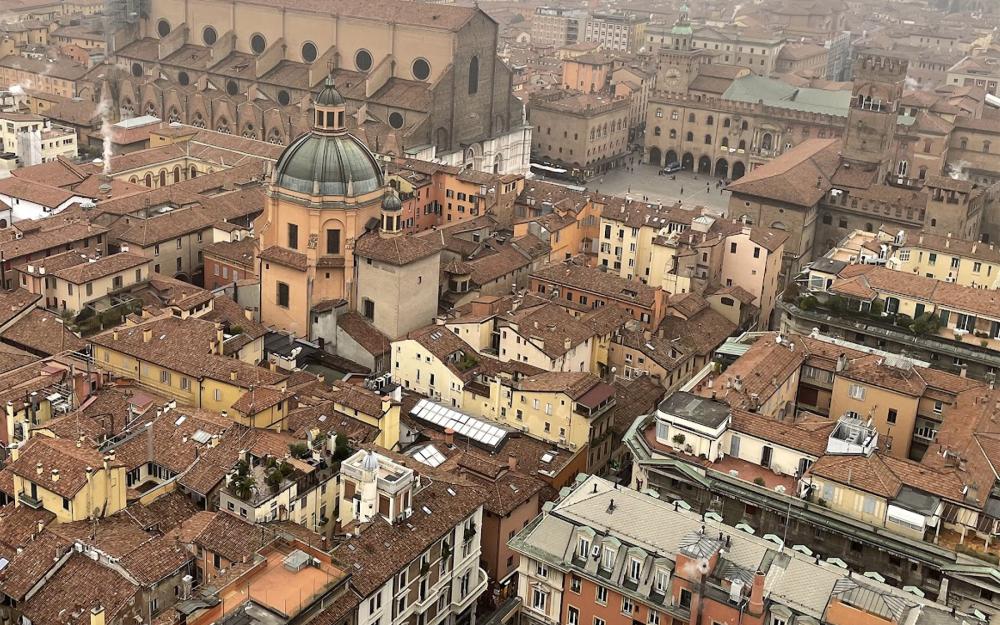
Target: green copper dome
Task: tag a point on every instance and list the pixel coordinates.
(328, 165)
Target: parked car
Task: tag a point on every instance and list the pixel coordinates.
(671, 168)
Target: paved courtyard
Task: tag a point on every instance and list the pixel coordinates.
(688, 187)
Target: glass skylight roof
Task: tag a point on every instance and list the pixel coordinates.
(444, 417)
(429, 455)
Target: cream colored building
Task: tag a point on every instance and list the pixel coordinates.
(75, 483)
(73, 281)
(34, 139)
(680, 251)
(326, 187)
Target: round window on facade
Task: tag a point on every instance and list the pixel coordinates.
(232, 88)
(183, 79)
(283, 98)
(363, 60)
(209, 36)
(396, 120)
(163, 28)
(421, 69)
(257, 43)
(309, 52)
(137, 69)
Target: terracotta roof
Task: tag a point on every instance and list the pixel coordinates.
(57, 454)
(102, 267)
(231, 537)
(27, 566)
(872, 369)
(384, 549)
(573, 384)
(13, 303)
(170, 438)
(765, 363)
(364, 333)
(213, 465)
(633, 399)
(596, 281)
(492, 267)
(160, 228)
(156, 560)
(45, 195)
(59, 172)
(42, 332)
(182, 345)
(867, 281)
(867, 473)
(700, 334)
(242, 252)
(395, 250)
(64, 600)
(19, 525)
(326, 418)
(47, 235)
(549, 328)
(286, 257)
(800, 176)
(259, 399)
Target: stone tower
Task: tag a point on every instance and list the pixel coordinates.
(871, 120)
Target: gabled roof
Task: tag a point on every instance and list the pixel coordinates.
(800, 176)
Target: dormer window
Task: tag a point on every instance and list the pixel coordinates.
(608, 561)
(660, 581)
(583, 547)
(634, 569)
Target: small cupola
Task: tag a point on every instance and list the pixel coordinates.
(330, 108)
(392, 208)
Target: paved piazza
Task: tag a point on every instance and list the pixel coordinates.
(644, 181)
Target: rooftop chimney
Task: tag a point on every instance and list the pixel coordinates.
(756, 605)
(97, 615)
(147, 335)
(512, 462)
(233, 375)
(55, 475)
(449, 437)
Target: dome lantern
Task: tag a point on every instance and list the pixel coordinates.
(330, 108)
(391, 212)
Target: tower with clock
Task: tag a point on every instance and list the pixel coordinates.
(679, 61)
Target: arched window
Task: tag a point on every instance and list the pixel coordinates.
(474, 75)
(779, 226)
(194, 172)
(923, 173)
(673, 133)
(711, 120)
(657, 132)
(659, 112)
(744, 125)
(869, 227)
(708, 139)
(177, 174)
(691, 117)
(963, 143)
(725, 142)
(742, 145)
(149, 180)
(690, 136)
(163, 177)
(726, 123)
(766, 141)
(986, 147)
(133, 180)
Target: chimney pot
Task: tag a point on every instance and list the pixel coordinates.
(512, 462)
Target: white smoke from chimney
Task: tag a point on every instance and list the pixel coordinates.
(104, 111)
(959, 170)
